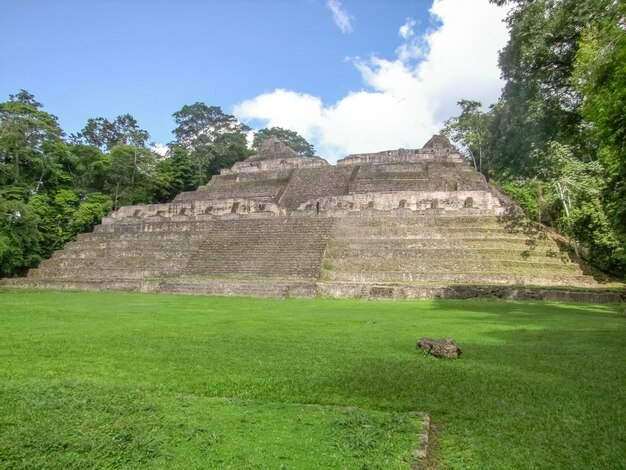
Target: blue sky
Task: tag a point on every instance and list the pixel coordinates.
(315, 66)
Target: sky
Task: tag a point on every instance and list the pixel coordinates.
(350, 76)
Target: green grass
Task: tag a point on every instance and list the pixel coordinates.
(161, 381)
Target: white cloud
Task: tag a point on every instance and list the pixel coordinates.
(406, 98)
(413, 47)
(341, 17)
(406, 30)
(160, 149)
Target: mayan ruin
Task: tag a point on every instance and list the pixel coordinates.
(395, 224)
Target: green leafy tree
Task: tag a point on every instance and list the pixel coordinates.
(87, 167)
(211, 137)
(24, 132)
(19, 237)
(173, 175)
(291, 138)
(471, 131)
(128, 174)
(227, 149)
(89, 213)
(104, 134)
(579, 186)
(540, 103)
(199, 123)
(600, 76)
(64, 214)
(556, 135)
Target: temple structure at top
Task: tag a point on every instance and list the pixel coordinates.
(278, 181)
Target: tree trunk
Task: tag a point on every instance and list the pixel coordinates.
(567, 206)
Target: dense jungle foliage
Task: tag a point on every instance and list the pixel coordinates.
(54, 186)
(556, 139)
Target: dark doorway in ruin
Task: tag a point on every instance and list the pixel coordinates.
(317, 207)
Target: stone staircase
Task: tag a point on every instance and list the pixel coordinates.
(271, 257)
(429, 176)
(315, 183)
(263, 186)
(280, 248)
(443, 251)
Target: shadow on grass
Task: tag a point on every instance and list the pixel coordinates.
(544, 395)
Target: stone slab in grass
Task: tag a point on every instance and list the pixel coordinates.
(86, 424)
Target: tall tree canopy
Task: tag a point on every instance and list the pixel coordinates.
(556, 139)
(291, 138)
(27, 134)
(213, 139)
(52, 189)
(104, 134)
(471, 129)
(199, 123)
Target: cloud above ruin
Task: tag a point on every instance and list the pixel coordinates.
(406, 98)
(341, 17)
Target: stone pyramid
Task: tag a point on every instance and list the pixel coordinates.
(407, 223)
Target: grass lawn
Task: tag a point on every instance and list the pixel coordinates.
(162, 381)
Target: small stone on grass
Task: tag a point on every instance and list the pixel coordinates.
(443, 347)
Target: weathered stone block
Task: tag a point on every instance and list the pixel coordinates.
(443, 347)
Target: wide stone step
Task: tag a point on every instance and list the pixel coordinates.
(509, 251)
(250, 288)
(100, 273)
(120, 262)
(468, 242)
(121, 248)
(423, 222)
(375, 264)
(381, 291)
(254, 272)
(445, 278)
(279, 225)
(154, 236)
(441, 220)
(121, 284)
(172, 252)
(452, 235)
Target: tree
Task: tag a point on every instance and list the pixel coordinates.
(600, 75)
(211, 137)
(227, 149)
(89, 213)
(562, 108)
(26, 98)
(470, 129)
(104, 134)
(173, 175)
(87, 166)
(540, 103)
(19, 237)
(64, 214)
(291, 138)
(579, 186)
(24, 131)
(127, 177)
(199, 123)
